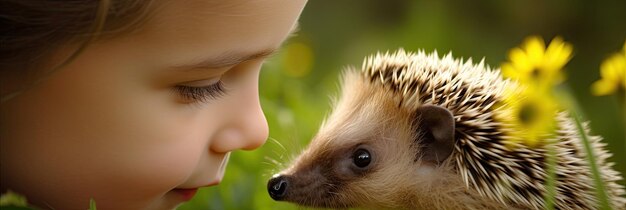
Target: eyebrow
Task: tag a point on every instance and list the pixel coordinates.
(227, 59)
(233, 58)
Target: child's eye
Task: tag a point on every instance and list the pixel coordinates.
(193, 94)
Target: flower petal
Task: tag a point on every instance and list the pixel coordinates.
(520, 61)
(557, 54)
(613, 68)
(535, 48)
(603, 87)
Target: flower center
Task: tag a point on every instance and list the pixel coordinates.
(528, 114)
(535, 73)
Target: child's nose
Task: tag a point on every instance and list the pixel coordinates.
(246, 127)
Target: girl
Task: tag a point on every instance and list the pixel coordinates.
(134, 103)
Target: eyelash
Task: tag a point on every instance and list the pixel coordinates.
(201, 94)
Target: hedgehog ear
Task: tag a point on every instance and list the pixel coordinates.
(436, 124)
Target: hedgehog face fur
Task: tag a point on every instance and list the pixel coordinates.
(413, 131)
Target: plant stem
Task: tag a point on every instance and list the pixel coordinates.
(600, 190)
(621, 99)
(550, 195)
(576, 113)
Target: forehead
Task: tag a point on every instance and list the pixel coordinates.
(211, 27)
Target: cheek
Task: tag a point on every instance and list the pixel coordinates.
(159, 157)
(154, 149)
(111, 144)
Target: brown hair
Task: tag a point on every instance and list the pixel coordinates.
(30, 31)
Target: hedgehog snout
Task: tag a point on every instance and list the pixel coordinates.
(277, 187)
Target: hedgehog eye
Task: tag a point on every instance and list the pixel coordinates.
(362, 158)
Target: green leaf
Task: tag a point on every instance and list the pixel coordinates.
(92, 204)
(13, 199)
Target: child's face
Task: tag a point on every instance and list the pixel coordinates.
(113, 125)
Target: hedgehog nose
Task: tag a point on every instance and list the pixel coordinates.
(277, 187)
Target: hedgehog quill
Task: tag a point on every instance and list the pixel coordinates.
(415, 131)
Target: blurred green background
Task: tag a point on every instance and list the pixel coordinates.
(297, 83)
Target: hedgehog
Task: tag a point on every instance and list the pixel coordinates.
(416, 131)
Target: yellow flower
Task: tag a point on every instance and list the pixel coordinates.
(532, 63)
(527, 115)
(613, 75)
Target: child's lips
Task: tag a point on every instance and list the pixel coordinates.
(186, 194)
